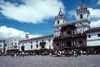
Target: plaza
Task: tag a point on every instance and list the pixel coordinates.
(47, 61)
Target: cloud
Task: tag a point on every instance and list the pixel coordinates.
(98, 3)
(31, 11)
(94, 13)
(94, 17)
(95, 24)
(7, 33)
(72, 13)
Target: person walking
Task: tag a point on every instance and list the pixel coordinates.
(50, 53)
(20, 54)
(23, 54)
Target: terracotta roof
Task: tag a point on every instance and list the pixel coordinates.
(37, 38)
(93, 30)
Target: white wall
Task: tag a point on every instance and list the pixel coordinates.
(27, 44)
(11, 43)
(94, 40)
(2, 46)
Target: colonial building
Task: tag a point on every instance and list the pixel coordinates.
(2, 45)
(71, 34)
(38, 44)
(13, 44)
(93, 37)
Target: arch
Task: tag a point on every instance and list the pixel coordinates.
(69, 44)
(58, 22)
(22, 48)
(81, 16)
(57, 44)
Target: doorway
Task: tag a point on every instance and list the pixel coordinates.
(68, 44)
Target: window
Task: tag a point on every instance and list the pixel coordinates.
(81, 16)
(49, 40)
(42, 40)
(49, 46)
(89, 36)
(15, 39)
(58, 22)
(31, 42)
(0, 45)
(68, 32)
(63, 21)
(15, 44)
(80, 42)
(98, 35)
(12, 43)
(57, 44)
(31, 46)
(36, 41)
(36, 46)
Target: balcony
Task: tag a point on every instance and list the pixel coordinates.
(69, 36)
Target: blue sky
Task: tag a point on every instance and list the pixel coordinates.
(36, 17)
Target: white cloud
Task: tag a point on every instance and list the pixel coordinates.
(72, 13)
(94, 13)
(95, 24)
(32, 11)
(6, 33)
(94, 17)
(98, 3)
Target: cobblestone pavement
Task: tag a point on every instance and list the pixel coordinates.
(47, 61)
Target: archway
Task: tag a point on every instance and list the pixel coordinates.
(22, 48)
(68, 44)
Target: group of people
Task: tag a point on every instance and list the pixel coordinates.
(17, 54)
(58, 53)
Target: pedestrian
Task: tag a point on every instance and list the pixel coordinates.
(17, 54)
(50, 53)
(20, 54)
(76, 55)
(23, 54)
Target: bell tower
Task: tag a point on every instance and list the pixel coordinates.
(59, 19)
(82, 13)
(83, 22)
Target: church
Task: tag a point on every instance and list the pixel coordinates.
(70, 35)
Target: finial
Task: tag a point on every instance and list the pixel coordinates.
(60, 13)
(60, 8)
(82, 1)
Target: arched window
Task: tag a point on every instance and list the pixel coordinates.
(58, 22)
(81, 16)
(57, 44)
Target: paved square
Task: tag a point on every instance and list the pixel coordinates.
(47, 61)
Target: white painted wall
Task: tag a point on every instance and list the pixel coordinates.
(2, 46)
(94, 40)
(13, 42)
(27, 44)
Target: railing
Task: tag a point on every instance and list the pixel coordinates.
(68, 36)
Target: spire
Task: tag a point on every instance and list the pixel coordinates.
(60, 13)
(83, 5)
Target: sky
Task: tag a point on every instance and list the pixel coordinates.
(36, 17)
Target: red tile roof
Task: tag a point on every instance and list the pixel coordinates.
(37, 38)
(93, 30)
